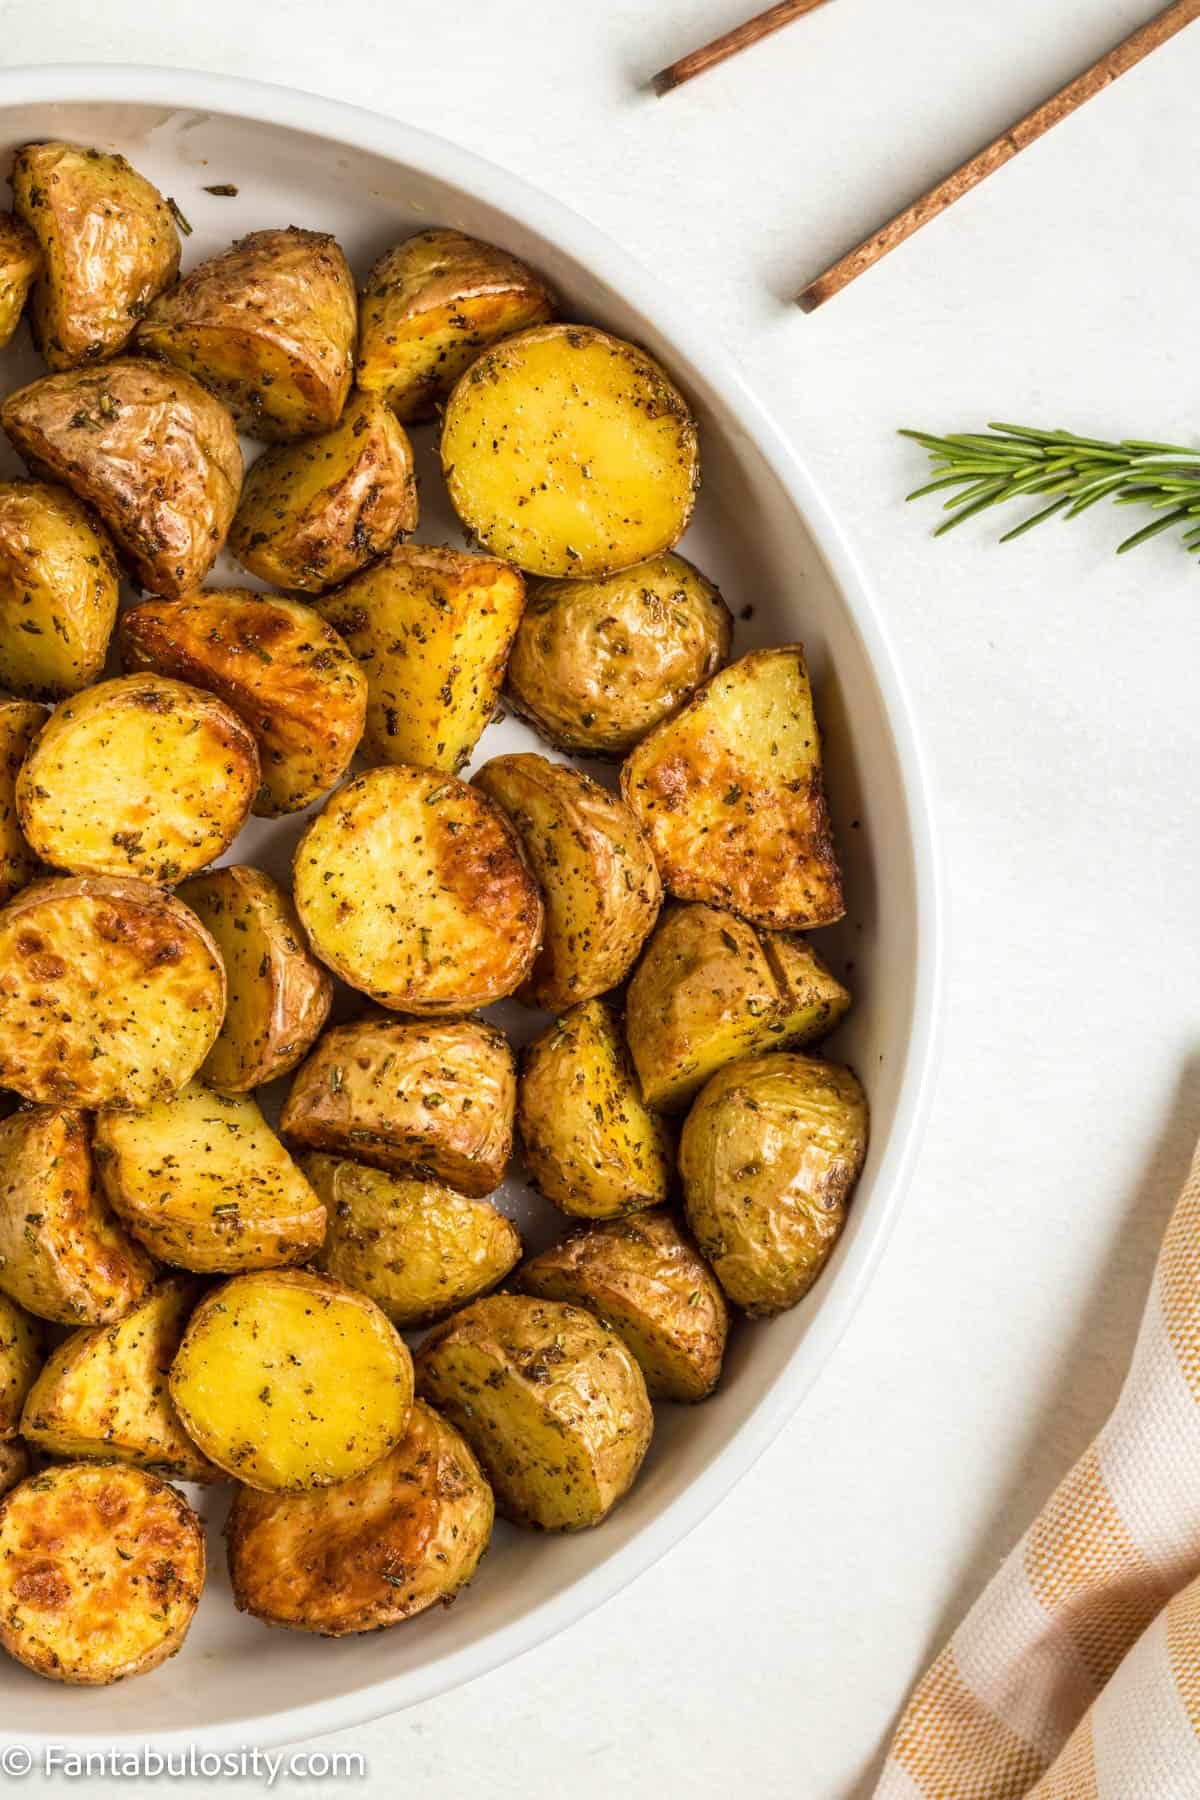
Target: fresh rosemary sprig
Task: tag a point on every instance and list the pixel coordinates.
(1010, 462)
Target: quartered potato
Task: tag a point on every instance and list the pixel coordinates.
(570, 452)
(710, 988)
(281, 669)
(269, 326)
(111, 993)
(413, 887)
(731, 793)
(768, 1156)
(597, 664)
(549, 1399)
(15, 1463)
(431, 628)
(140, 776)
(590, 1144)
(108, 243)
(203, 1182)
(58, 591)
(290, 1380)
(62, 1254)
(279, 995)
(155, 453)
(20, 722)
(20, 261)
(599, 884)
(418, 1248)
(371, 1551)
(101, 1567)
(21, 1352)
(430, 306)
(647, 1280)
(432, 1098)
(104, 1391)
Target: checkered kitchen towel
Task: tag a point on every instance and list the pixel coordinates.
(1076, 1676)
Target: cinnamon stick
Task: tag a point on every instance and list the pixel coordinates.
(740, 38)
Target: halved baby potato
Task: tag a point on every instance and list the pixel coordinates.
(22, 1348)
(20, 261)
(140, 776)
(414, 888)
(20, 722)
(58, 591)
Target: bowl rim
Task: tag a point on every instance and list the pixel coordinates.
(390, 139)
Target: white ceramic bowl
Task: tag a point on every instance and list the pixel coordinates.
(764, 533)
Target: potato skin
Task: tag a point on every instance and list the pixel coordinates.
(769, 1154)
(281, 669)
(22, 1349)
(20, 262)
(151, 450)
(369, 1552)
(58, 591)
(101, 1569)
(15, 1463)
(431, 1098)
(20, 722)
(599, 883)
(108, 247)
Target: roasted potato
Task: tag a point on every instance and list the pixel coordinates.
(569, 452)
(20, 722)
(549, 1399)
(414, 888)
(290, 1380)
(597, 664)
(108, 247)
(769, 1154)
(203, 1182)
(430, 306)
(101, 1567)
(111, 993)
(62, 1254)
(22, 1348)
(590, 1144)
(371, 1551)
(15, 1463)
(710, 988)
(20, 261)
(104, 1391)
(268, 325)
(731, 793)
(139, 776)
(279, 995)
(418, 1248)
(58, 591)
(155, 453)
(432, 1098)
(277, 665)
(648, 1281)
(431, 629)
(599, 884)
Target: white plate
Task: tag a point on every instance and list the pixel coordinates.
(763, 532)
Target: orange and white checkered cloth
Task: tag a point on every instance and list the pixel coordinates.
(1076, 1676)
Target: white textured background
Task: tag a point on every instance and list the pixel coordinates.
(1057, 690)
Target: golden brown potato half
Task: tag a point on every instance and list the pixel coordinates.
(20, 261)
(429, 1098)
(290, 1380)
(570, 453)
(597, 664)
(430, 306)
(419, 1249)
(108, 243)
(369, 1552)
(549, 1399)
(769, 1154)
(268, 325)
(20, 722)
(731, 793)
(710, 988)
(599, 884)
(281, 669)
(156, 454)
(432, 629)
(590, 1144)
(111, 993)
(15, 1463)
(203, 1182)
(645, 1279)
(58, 591)
(62, 1254)
(101, 1568)
(414, 888)
(22, 1349)
(103, 1392)
(279, 995)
